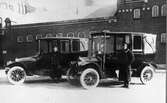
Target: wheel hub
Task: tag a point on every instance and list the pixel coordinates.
(17, 75)
(147, 75)
(90, 79)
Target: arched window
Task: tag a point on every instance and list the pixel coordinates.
(49, 35)
(136, 14)
(81, 34)
(38, 36)
(155, 11)
(59, 34)
(29, 38)
(70, 34)
(164, 10)
(20, 39)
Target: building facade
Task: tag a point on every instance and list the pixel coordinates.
(145, 16)
(148, 16)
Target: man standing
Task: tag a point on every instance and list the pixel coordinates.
(127, 59)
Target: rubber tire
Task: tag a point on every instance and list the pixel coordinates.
(9, 74)
(146, 68)
(82, 77)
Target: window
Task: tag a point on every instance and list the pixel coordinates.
(20, 39)
(137, 43)
(29, 38)
(38, 36)
(155, 11)
(49, 35)
(136, 13)
(164, 10)
(43, 46)
(71, 34)
(163, 38)
(91, 32)
(110, 45)
(81, 34)
(84, 44)
(75, 45)
(59, 34)
(64, 46)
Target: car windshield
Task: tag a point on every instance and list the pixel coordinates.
(102, 44)
(107, 43)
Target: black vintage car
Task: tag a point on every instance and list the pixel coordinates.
(103, 61)
(40, 64)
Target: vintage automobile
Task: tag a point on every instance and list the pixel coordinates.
(104, 47)
(40, 64)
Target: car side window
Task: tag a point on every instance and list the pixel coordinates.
(75, 45)
(119, 42)
(137, 43)
(64, 46)
(110, 45)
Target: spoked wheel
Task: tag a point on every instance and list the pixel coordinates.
(146, 75)
(16, 75)
(89, 78)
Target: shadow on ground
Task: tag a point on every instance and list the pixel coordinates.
(46, 82)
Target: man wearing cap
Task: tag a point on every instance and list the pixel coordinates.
(127, 59)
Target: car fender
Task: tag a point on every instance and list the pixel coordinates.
(143, 64)
(96, 66)
(8, 67)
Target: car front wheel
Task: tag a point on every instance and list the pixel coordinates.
(89, 78)
(146, 75)
(16, 75)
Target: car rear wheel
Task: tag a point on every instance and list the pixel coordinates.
(146, 75)
(89, 78)
(16, 75)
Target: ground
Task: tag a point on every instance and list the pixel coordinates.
(44, 90)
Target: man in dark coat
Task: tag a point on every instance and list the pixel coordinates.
(126, 59)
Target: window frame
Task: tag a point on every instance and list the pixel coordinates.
(59, 35)
(49, 35)
(28, 38)
(72, 50)
(137, 50)
(62, 46)
(70, 34)
(81, 33)
(137, 13)
(20, 39)
(38, 36)
(163, 37)
(155, 11)
(164, 10)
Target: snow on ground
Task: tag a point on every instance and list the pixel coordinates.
(44, 90)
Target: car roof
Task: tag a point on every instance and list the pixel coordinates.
(59, 38)
(116, 33)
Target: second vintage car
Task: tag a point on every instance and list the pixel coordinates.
(104, 58)
(41, 64)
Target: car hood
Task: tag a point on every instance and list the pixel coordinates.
(88, 59)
